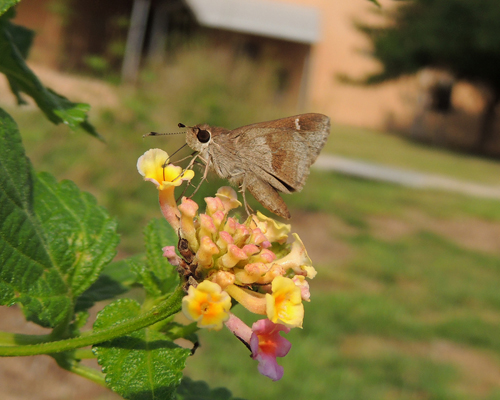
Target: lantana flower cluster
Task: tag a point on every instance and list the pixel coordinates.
(223, 259)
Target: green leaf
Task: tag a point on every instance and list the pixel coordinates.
(174, 330)
(15, 195)
(80, 320)
(116, 278)
(105, 288)
(78, 232)
(14, 46)
(54, 239)
(375, 2)
(142, 365)
(199, 390)
(158, 277)
(121, 272)
(22, 39)
(7, 294)
(6, 4)
(147, 279)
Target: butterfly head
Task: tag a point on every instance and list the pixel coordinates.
(199, 137)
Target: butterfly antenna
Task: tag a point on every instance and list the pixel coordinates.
(161, 134)
(180, 125)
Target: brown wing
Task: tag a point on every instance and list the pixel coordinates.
(283, 149)
(266, 195)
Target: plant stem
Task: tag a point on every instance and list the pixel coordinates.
(86, 372)
(83, 354)
(169, 307)
(12, 339)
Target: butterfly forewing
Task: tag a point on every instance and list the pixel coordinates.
(284, 148)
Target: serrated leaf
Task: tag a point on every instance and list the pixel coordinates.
(6, 4)
(54, 239)
(199, 390)
(158, 276)
(14, 45)
(141, 365)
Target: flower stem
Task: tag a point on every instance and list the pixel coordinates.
(169, 307)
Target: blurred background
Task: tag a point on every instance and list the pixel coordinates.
(400, 215)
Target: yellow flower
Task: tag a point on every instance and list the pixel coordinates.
(298, 260)
(228, 197)
(275, 231)
(151, 165)
(252, 301)
(284, 305)
(207, 304)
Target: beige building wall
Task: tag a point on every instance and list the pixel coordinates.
(339, 51)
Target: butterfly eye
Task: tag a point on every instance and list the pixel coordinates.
(203, 136)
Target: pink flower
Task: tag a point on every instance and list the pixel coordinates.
(264, 341)
(266, 344)
(169, 252)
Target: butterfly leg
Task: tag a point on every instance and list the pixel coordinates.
(183, 192)
(204, 177)
(193, 160)
(243, 190)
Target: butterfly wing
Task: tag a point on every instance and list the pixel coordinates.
(281, 152)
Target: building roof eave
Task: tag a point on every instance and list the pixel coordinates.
(278, 20)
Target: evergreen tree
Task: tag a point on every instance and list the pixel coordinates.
(461, 36)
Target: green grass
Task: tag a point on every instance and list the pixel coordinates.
(376, 316)
(413, 291)
(380, 147)
(354, 199)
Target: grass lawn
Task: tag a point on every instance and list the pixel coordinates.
(407, 310)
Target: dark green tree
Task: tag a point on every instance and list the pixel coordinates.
(461, 36)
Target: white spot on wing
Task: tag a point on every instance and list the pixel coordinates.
(297, 125)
